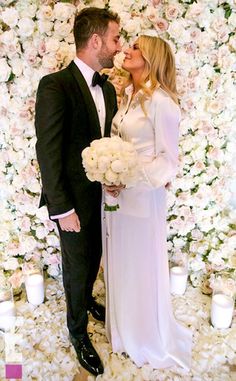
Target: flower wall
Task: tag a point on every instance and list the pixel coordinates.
(36, 38)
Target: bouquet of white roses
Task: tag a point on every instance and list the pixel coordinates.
(111, 161)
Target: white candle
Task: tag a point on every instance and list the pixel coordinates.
(7, 314)
(222, 308)
(178, 280)
(34, 288)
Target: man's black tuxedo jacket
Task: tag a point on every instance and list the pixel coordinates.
(66, 122)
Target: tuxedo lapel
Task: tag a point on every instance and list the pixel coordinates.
(94, 124)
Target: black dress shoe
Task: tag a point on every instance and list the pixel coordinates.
(97, 311)
(87, 355)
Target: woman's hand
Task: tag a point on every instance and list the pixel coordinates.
(113, 190)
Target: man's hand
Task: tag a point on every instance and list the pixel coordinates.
(114, 190)
(70, 223)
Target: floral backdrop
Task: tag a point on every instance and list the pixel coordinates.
(36, 38)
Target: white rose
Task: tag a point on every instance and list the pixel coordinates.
(177, 30)
(10, 17)
(52, 240)
(34, 187)
(45, 12)
(62, 29)
(11, 264)
(5, 70)
(232, 42)
(17, 66)
(65, 53)
(232, 20)
(9, 37)
(133, 26)
(98, 3)
(49, 62)
(22, 87)
(45, 26)
(4, 235)
(26, 27)
(111, 176)
(41, 232)
(63, 11)
(103, 163)
(91, 176)
(118, 166)
(216, 105)
(18, 182)
(27, 8)
(117, 6)
(52, 45)
(27, 244)
(99, 177)
(119, 58)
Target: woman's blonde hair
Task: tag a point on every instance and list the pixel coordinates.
(159, 66)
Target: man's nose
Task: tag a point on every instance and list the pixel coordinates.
(118, 47)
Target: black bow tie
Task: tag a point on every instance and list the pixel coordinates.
(99, 79)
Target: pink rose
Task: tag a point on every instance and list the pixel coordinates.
(172, 12)
(161, 24)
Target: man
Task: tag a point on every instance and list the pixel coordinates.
(71, 111)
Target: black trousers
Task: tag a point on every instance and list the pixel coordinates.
(81, 255)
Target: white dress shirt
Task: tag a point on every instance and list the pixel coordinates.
(97, 94)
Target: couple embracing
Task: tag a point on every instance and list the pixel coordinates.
(75, 106)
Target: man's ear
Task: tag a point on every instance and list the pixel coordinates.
(96, 41)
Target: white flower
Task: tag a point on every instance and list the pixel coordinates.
(52, 45)
(62, 29)
(17, 66)
(133, 26)
(178, 32)
(118, 166)
(5, 70)
(119, 58)
(11, 264)
(45, 12)
(26, 27)
(111, 161)
(111, 176)
(45, 26)
(10, 17)
(4, 234)
(63, 11)
(27, 244)
(49, 62)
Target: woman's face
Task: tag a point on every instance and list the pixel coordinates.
(134, 61)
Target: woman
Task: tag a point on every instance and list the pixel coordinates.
(139, 318)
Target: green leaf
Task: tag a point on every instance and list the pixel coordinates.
(111, 208)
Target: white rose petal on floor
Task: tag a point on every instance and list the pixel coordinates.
(48, 355)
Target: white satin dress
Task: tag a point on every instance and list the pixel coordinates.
(139, 317)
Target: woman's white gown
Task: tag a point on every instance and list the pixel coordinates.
(139, 318)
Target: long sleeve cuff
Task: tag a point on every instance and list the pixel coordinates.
(63, 214)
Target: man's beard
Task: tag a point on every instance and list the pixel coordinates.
(105, 59)
(106, 62)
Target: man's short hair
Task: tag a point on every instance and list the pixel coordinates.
(89, 21)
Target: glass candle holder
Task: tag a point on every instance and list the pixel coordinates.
(222, 308)
(178, 277)
(34, 282)
(7, 308)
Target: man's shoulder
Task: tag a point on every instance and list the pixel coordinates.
(63, 74)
